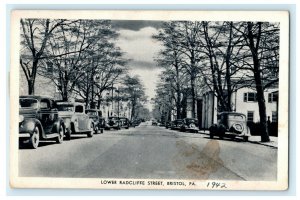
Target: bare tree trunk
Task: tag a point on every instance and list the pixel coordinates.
(258, 81)
(178, 105)
(30, 86)
(228, 77)
(193, 74)
(31, 81)
(133, 110)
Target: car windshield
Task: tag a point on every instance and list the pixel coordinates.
(28, 103)
(235, 117)
(113, 118)
(91, 113)
(192, 121)
(65, 107)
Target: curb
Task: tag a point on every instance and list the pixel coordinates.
(261, 143)
(253, 142)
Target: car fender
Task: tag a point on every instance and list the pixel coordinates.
(74, 123)
(57, 125)
(90, 122)
(213, 128)
(248, 132)
(28, 125)
(67, 123)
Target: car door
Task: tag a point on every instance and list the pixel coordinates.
(47, 116)
(82, 118)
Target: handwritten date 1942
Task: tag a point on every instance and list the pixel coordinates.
(216, 185)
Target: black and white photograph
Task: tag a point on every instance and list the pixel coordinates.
(149, 100)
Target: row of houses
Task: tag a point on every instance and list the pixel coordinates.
(243, 100)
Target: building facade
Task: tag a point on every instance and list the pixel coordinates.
(243, 101)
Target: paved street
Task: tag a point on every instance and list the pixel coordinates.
(150, 152)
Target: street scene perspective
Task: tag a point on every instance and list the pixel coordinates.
(148, 99)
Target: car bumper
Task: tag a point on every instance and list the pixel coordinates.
(24, 135)
(192, 129)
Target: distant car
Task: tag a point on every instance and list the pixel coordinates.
(113, 123)
(134, 123)
(95, 115)
(230, 124)
(168, 124)
(76, 121)
(39, 120)
(124, 122)
(176, 124)
(154, 123)
(161, 124)
(190, 124)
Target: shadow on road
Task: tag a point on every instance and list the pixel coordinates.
(41, 144)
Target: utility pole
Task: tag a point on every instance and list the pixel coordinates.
(118, 102)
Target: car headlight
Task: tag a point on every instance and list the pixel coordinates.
(192, 126)
(21, 118)
(238, 127)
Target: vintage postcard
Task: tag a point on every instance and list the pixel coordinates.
(149, 99)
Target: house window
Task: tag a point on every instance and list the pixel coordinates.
(272, 97)
(250, 97)
(49, 67)
(274, 116)
(232, 68)
(250, 116)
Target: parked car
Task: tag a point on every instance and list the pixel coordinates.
(189, 124)
(176, 124)
(112, 122)
(230, 124)
(134, 123)
(39, 120)
(124, 122)
(168, 124)
(76, 121)
(154, 123)
(96, 116)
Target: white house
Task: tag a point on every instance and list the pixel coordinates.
(243, 101)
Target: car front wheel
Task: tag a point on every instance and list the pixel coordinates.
(211, 135)
(91, 132)
(61, 134)
(68, 134)
(35, 138)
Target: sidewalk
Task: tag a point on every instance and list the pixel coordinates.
(255, 139)
(273, 141)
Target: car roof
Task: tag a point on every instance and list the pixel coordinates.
(233, 113)
(95, 110)
(69, 103)
(39, 97)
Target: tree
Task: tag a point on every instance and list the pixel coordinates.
(134, 92)
(105, 69)
(182, 52)
(262, 42)
(189, 43)
(79, 54)
(35, 34)
(170, 59)
(66, 53)
(220, 50)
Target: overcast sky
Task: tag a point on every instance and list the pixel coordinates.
(135, 40)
